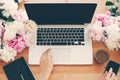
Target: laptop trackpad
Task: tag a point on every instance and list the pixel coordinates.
(61, 55)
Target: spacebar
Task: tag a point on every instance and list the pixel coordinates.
(59, 43)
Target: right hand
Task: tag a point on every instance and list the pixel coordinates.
(109, 75)
(46, 65)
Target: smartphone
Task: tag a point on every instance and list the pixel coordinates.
(114, 65)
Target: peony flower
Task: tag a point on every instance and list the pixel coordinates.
(10, 7)
(113, 37)
(7, 54)
(9, 34)
(103, 18)
(12, 29)
(30, 27)
(96, 31)
(118, 19)
(108, 13)
(29, 39)
(17, 43)
(18, 26)
(20, 15)
(106, 19)
(106, 29)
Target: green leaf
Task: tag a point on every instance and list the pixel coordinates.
(113, 10)
(1, 10)
(16, 1)
(109, 3)
(117, 0)
(113, 14)
(8, 19)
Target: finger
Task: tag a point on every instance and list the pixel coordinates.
(109, 73)
(49, 55)
(113, 76)
(43, 56)
(105, 74)
(45, 52)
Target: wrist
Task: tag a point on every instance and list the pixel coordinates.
(43, 77)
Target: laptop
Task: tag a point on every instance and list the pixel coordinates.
(61, 27)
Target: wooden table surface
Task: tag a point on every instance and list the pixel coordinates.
(84, 72)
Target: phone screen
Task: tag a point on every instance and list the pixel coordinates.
(115, 66)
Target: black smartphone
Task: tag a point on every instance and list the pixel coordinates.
(114, 65)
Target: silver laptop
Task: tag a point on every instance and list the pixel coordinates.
(61, 27)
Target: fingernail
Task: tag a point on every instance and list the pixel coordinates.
(49, 50)
(105, 72)
(110, 70)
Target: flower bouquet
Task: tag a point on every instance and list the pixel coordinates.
(106, 28)
(16, 30)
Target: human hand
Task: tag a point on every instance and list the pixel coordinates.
(46, 65)
(109, 75)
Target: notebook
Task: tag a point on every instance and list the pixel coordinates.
(61, 27)
(18, 70)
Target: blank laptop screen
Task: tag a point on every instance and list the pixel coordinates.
(60, 13)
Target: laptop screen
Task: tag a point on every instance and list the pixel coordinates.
(60, 13)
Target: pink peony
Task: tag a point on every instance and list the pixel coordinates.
(103, 18)
(96, 32)
(20, 15)
(29, 39)
(108, 13)
(18, 43)
(106, 19)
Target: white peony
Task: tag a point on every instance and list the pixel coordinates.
(29, 39)
(9, 6)
(12, 29)
(113, 34)
(9, 34)
(18, 26)
(7, 54)
(30, 27)
(20, 15)
(96, 31)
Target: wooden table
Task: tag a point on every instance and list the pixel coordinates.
(86, 72)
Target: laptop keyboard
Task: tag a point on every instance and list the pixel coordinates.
(60, 36)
